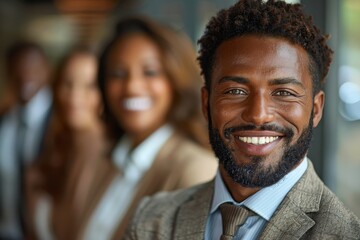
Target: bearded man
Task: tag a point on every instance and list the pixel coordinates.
(264, 65)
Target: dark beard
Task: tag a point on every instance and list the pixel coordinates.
(254, 174)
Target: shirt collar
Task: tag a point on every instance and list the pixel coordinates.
(264, 202)
(37, 107)
(144, 154)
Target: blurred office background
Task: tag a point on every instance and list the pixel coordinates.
(59, 24)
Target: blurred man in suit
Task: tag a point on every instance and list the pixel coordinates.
(264, 64)
(22, 128)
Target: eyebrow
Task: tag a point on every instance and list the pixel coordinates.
(277, 81)
(234, 79)
(283, 81)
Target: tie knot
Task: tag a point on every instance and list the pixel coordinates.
(232, 217)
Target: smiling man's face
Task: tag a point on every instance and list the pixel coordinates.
(261, 108)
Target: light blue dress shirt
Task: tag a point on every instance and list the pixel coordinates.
(264, 203)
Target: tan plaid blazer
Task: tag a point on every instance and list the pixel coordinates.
(309, 211)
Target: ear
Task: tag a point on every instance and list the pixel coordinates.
(319, 101)
(205, 102)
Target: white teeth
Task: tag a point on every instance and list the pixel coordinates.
(258, 140)
(138, 103)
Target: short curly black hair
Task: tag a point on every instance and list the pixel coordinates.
(272, 18)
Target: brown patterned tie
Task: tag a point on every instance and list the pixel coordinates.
(232, 217)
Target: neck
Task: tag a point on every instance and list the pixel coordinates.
(238, 192)
(140, 136)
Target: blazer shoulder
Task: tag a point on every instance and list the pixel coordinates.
(195, 160)
(334, 219)
(311, 211)
(155, 215)
(186, 148)
(191, 164)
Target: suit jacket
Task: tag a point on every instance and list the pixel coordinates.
(45, 125)
(309, 211)
(176, 166)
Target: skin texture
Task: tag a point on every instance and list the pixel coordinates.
(260, 81)
(78, 95)
(135, 71)
(28, 74)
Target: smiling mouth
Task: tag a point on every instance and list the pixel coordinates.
(258, 140)
(138, 103)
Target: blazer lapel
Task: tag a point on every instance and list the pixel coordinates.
(151, 182)
(192, 217)
(105, 174)
(291, 221)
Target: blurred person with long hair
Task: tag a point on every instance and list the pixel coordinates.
(150, 85)
(64, 177)
(23, 121)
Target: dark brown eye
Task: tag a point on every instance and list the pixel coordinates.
(116, 74)
(236, 92)
(283, 93)
(151, 73)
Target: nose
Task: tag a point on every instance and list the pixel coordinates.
(75, 97)
(258, 110)
(133, 84)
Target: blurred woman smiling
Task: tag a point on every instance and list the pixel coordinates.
(150, 85)
(63, 179)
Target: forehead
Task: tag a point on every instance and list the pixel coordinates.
(260, 56)
(134, 43)
(28, 56)
(79, 64)
(81, 59)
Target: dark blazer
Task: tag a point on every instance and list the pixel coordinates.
(309, 211)
(44, 128)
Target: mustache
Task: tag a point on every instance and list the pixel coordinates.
(287, 132)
